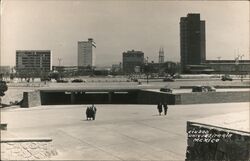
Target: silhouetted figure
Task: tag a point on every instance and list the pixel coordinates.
(93, 111)
(88, 113)
(159, 107)
(165, 107)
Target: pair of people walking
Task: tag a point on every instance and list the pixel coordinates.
(164, 106)
(91, 112)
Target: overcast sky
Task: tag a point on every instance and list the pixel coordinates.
(118, 26)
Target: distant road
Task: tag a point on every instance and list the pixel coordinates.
(217, 90)
(151, 85)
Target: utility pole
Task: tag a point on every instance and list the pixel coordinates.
(147, 69)
(219, 57)
(241, 75)
(59, 61)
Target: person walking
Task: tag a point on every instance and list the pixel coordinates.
(165, 107)
(88, 113)
(159, 107)
(93, 108)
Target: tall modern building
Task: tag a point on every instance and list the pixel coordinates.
(33, 62)
(161, 55)
(86, 53)
(132, 60)
(192, 40)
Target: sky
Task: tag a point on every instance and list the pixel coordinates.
(119, 26)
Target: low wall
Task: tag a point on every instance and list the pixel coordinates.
(38, 98)
(27, 149)
(151, 97)
(219, 87)
(207, 142)
(214, 97)
(31, 99)
(57, 98)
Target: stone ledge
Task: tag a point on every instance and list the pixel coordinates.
(219, 87)
(210, 127)
(6, 140)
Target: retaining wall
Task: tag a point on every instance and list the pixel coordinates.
(31, 99)
(38, 98)
(214, 97)
(151, 97)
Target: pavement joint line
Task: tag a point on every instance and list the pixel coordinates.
(138, 140)
(164, 130)
(97, 147)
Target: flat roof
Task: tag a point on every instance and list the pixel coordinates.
(33, 50)
(90, 89)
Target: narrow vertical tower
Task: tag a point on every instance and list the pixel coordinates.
(161, 55)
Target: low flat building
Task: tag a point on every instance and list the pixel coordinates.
(5, 69)
(5, 72)
(229, 66)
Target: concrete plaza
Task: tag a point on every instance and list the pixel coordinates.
(120, 132)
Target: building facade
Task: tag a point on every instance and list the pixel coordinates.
(161, 55)
(167, 67)
(86, 53)
(131, 60)
(33, 63)
(192, 40)
(229, 66)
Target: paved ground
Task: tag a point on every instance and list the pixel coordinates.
(120, 132)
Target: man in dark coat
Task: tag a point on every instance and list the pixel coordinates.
(93, 111)
(165, 107)
(159, 107)
(88, 113)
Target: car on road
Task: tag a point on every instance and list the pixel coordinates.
(166, 89)
(77, 81)
(134, 80)
(198, 89)
(61, 81)
(226, 78)
(203, 89)
(210, 88)
(168, 79)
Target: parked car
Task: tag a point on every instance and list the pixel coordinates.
(226, 78)
(134, 80)
(198, 89)
(61, 81)
(77, 81)
(166, 89)
(203, 89)
(210, 88)
(168, 79)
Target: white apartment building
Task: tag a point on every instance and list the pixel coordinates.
(86, 53)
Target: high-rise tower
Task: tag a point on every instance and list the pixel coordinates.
(161, 55)
(192, 40)
(86, 54)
